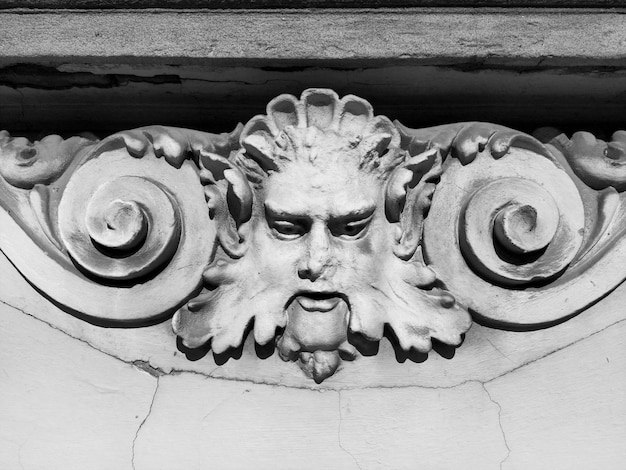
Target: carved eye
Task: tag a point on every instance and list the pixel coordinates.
(289, 229)
(286, 226)
(350, 229)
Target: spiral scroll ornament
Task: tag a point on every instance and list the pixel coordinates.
(502, 230)
(126, 221)
(125, 229)
(513, 232)
(122, 230)
(115, 240)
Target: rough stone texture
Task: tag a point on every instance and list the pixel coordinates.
(257, 37)
(127, 4)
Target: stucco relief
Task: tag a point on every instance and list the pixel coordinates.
(315, 224)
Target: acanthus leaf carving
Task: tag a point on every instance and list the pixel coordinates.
(310, 269)
(598, 163)
(316, 223)
(111, 225)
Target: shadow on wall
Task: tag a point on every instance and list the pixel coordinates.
(35, 98)
(363, 345)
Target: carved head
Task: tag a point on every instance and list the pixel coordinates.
(320, 216)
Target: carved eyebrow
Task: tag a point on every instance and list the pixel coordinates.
(358, 213)
(281, 213)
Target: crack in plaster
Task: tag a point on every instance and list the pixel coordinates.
(508, 454)
(220, 403)
(339, 434)
(146, 367)
(159, 372)
(19, 453)
(495, 348)
(532, 361)
(66, 333)
(156, 389)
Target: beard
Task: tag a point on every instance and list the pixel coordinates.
(315, 328)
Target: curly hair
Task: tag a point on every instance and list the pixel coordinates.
(318, 127)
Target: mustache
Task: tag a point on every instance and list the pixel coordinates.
(316, 295)
(403, 297)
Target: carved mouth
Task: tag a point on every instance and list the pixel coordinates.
(319, 301)
(317, 321)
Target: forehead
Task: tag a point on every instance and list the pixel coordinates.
(320, 190)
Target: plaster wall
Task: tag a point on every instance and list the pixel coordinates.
(69, 404)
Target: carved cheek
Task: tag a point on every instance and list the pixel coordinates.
(368, 260)
(364, 246)
(375, 243)
(279, 258)
(350, 262)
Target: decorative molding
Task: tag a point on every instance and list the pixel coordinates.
(315, 224)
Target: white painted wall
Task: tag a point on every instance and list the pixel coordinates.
(70, 403)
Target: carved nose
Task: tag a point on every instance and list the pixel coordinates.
(311, 269)
(317, 260)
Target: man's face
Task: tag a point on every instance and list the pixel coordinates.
(304, 252)
(321, 236)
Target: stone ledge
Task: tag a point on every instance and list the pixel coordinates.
(535, 38)
(239, 4)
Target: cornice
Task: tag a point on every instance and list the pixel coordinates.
(302, 4)
(437, 36)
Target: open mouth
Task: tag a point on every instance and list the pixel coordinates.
(319, 302)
